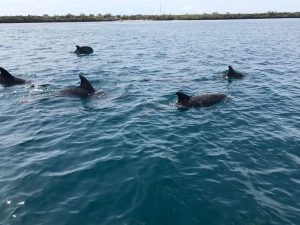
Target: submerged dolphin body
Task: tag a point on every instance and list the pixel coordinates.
(7, 79)
(84, 50)
(232, 74)
(204, 100)
(85, 89)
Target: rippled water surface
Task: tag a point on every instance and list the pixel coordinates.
(131, 157)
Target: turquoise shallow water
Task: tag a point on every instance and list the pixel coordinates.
(130, 156)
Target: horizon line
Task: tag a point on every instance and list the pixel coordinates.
(146, 14)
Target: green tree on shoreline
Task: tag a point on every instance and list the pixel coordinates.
(109, 17)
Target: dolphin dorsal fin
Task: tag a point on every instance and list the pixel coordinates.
(85, 84)
(183, 99)
(231, 70)
(6, 75)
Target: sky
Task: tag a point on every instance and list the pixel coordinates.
(129, 7)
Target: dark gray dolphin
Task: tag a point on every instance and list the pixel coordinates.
(7, 79)
(84, 50)
(85, 89)
(204, 100)
(232, 74)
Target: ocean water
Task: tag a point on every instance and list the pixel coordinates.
(131, 157)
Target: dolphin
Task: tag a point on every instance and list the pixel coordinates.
(84, 50)
(7, 79)
(232, 74)
(85, 89)
(204, 100)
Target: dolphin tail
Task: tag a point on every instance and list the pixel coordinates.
(85, 84)
(183, 99)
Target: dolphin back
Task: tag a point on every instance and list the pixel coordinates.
(206, 100)
(230, 70)
(83, 50)
(233, 74)
(8, 79)
(183, 99)
(86, 85)
(5, 75)
(77, 49)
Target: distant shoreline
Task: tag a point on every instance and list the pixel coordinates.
(111, 18)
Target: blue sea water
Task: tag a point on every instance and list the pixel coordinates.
(131, 157)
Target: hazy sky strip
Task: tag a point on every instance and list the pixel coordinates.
(61, 7)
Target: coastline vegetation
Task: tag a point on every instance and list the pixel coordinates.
(109, 17)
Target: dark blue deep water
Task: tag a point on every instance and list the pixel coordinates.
(131, 157)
